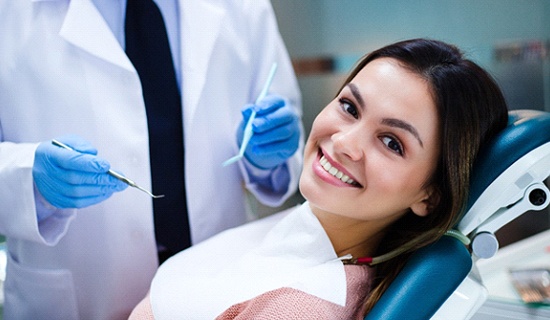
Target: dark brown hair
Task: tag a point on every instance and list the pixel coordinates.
(471, 110)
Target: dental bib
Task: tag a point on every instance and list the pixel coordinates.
(289, 249)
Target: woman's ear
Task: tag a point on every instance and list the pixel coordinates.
(426, 204)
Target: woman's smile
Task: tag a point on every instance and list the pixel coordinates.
(331, 172)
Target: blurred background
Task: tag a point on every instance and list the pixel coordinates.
(510, 38)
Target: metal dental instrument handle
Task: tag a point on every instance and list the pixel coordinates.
(248, 128)
(112, 173)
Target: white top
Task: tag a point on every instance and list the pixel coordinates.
(289, 249)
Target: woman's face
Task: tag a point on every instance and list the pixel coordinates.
(372, 150)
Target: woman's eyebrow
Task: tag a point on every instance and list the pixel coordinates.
(356, 94)
(396, 123)
(392, 122)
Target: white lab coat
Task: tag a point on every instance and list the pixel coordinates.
(62, 71)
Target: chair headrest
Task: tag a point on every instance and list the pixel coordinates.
(522, 135)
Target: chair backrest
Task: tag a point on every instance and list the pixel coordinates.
(433, 273)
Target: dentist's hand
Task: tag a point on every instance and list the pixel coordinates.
(276, 132)
(73, 179)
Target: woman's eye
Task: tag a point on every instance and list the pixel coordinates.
(393, 144)
(349, 108)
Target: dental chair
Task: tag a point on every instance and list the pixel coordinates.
(440, 281)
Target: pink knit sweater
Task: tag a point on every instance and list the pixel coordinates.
(287, 303)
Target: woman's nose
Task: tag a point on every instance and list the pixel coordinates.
(349, 143)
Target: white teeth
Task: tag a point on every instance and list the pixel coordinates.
(335, 172)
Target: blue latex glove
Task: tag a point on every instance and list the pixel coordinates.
(71, 179)
(276, 132)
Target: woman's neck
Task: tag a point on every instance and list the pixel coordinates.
(350, 236)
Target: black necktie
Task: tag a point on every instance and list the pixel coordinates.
(148, 48)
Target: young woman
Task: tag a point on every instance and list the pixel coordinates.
(386, 171)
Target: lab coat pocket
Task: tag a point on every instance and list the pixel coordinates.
(32, 293)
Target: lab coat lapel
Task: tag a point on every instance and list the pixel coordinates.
(199, 28)
(85, 28)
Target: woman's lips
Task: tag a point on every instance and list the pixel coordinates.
(332, 173)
